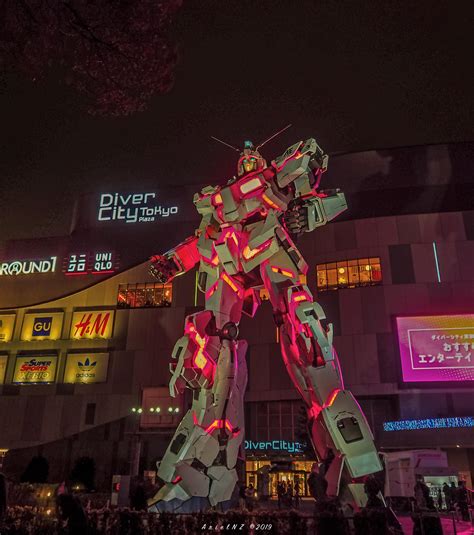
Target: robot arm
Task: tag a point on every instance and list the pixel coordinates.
(176, 261)
(300, 168)
(306, 214)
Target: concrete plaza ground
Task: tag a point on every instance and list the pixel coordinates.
(449, 528)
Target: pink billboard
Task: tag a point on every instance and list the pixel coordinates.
(436, 348)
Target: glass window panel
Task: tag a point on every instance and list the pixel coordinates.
(274, 407)
(364, 271)
(342, 274)
(274, 420)
(286, 420)
(286, 433)
(274, 433)
(122, 296)
(376, 272)
(321, 277)
(353, 275)
(130, 297)
(149, 297)
(140, 298)
(332, 278)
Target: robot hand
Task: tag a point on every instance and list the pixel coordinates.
(163, 268)
(295, 218)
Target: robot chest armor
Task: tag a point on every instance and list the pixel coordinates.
(238, 201)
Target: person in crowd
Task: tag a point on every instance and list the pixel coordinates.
(289, 494)
(250, 497)
(138, 500)
(372, 488)
(72, 513)
(454, 492)
(317, 483)
(422, 494)
(279, 493)
(463, 500)
(242, 496)
(447, 496)
(440, 499)
(3, 497)
(297, 493)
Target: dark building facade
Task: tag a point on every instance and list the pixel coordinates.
(86, 333)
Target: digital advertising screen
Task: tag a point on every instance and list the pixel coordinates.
(436, 348)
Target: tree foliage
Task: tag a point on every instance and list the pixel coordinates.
(117, 53)
(84, 472)
(37, 471)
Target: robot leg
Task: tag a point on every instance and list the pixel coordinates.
(198, 467)
(339, 431)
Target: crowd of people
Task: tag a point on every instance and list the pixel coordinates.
(455, 498)
(288, 495)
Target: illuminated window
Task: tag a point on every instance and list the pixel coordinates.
(143, 295)
(349, 274)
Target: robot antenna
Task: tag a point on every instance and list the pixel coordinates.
(224, 143)
(273, 136)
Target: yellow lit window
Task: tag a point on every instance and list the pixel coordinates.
(144, 295)
(349, 273)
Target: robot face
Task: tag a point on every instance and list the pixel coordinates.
(249, 164)
(250, 160)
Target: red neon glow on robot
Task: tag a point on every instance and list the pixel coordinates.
(243, 244)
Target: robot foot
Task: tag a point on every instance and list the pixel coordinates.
(195, 504)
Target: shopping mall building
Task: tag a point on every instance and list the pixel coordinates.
(86, 334)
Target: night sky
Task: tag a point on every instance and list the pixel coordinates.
(355, 75)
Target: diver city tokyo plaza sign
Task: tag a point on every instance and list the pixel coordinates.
(275, 445)
(27, 267)
(133, 208)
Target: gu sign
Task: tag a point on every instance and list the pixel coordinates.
(133, 208)
(42, 326)
(27, 267)
(87, 325)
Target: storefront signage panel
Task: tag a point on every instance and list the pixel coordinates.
(40, 325)
(28, 267)
(436, 348)
(87, 325)
(86, 368)
(3, 368)
(98, 263)
(133, 208)
(7, 324)
(35, 369)
(275, 446)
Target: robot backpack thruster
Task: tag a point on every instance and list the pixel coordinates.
(243, 244)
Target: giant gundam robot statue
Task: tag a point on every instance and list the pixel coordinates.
(244, 243)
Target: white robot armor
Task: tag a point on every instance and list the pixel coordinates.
(244, 244)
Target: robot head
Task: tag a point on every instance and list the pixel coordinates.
(250, 160)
